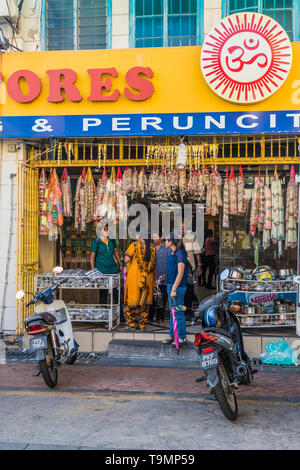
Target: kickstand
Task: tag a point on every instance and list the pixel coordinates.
(38, 373)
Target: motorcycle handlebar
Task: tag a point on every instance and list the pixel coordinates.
(40, 295)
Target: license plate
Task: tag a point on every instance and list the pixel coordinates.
(38, 343)
(210, 360)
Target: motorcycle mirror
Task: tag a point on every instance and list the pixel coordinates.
(58, 270)
(224, 275)
(20, 294)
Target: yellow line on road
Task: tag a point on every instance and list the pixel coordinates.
(122, 396)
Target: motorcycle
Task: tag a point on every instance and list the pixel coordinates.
(220, 346)
(52, 332)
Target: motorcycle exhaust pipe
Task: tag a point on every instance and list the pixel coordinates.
(241, 370)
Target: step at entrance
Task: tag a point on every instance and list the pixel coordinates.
(150, 349)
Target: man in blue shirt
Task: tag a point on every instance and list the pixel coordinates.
(162, 253)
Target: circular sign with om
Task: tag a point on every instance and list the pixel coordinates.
(246, 57)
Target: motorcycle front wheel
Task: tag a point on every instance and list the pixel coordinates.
(225, 395)
(48, 369)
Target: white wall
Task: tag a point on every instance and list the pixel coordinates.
(8, 159)
(120, 24)
(212, 15)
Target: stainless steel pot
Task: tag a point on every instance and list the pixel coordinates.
(282, 308)
(235, 306)
(250, 309)
(237, 274)
(283, 273)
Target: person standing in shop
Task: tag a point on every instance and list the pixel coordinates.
(138, 295)
(104, 254)
(210, 251)
(162, 253)
(176, 287)
(193, 251)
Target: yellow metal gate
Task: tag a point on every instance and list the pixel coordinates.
(27, 238)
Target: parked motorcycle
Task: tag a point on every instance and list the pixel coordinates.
(51, 328)
(220, 346)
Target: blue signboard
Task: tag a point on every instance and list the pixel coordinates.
(247, 122)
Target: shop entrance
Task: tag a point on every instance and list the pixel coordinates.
(38, 254)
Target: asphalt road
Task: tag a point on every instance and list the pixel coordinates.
(136, 416)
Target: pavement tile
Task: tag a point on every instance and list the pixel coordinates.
(80, 378)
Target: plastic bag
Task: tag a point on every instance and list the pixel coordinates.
(279, 353)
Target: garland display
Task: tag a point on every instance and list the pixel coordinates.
(269, 218)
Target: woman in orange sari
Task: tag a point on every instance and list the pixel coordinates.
(138, 295)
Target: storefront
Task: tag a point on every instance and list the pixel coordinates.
(122, 114)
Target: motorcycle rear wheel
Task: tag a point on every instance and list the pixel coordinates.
(225, 395)
(48, 369)
(72, 358)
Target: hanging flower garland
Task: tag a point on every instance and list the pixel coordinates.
(291, 211)
(80, 203)
(277, 232)
(226, 201)
(268, 214)
(232, 193)
(66, 192)
(90, 191)
(241, 200)
(55, 210)
(43, 202)
(99, 196)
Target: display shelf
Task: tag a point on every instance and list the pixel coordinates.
(264, 293)
(267, 320)
(78, 281)
(92, 313)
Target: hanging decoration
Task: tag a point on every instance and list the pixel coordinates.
(268, 214)
(43, 202)
(121, 197)
(291, 211)
(182, 153)
(226, 201)
(127, 180)
(277, 232)
(55, 210)
(134, 188)
(90, 191)
(142, 182)
(66, 193)
(99, 196)
(213, 194)
(80, 203)
(241, 200)
(261, 204)
(232, 193)
(111, 206)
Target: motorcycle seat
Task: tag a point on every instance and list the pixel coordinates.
(47, 317)
(218, 330)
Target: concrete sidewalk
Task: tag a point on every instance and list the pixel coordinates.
(282, 384)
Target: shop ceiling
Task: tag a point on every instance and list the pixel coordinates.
(161, 151)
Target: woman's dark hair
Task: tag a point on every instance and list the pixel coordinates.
(178, 243)
(147, 255)
(148, 250)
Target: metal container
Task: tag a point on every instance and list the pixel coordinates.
(250, 309)
(236, 274)
(281, 308)
(283, 273)
(263, 273)
(235, 306)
